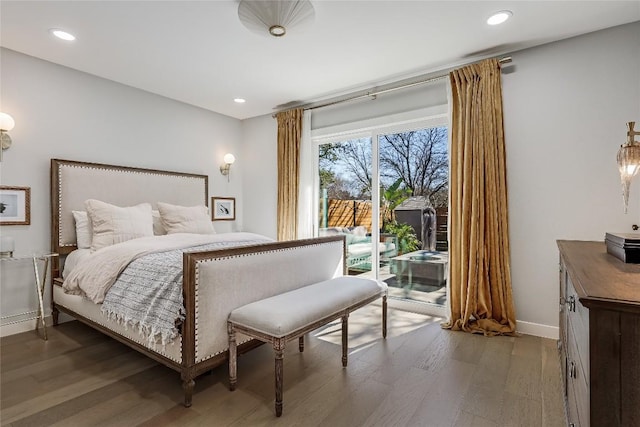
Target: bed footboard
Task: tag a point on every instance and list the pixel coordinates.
(217, 282)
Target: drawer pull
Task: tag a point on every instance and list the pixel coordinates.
(572, 303)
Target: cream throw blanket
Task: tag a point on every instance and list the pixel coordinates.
(93, 277)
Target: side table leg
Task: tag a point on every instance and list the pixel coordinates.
(40, 290)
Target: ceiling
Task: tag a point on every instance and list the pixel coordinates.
(199, 53)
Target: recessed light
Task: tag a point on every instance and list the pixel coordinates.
(499, 17)
(62, 35)
(239, 100)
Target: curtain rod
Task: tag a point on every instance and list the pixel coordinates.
(503, 60)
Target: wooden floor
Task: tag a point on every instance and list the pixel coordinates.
(420, 376)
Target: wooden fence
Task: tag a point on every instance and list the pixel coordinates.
(347, 213)
(354, 213)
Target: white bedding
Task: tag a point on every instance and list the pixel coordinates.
(96, 273)
(73, 259)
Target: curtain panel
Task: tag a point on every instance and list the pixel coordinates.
(289, 135)
(479, 259)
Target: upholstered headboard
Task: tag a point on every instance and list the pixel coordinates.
(74, 182)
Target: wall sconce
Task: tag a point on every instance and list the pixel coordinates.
(228, 161)
(628, 162)
(6, 124)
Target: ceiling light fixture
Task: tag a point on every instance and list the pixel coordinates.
(239, 100)
(274, 17)
(499, 17)
(62, 35)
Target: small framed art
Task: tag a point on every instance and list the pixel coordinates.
(15, 205)
(223, 208)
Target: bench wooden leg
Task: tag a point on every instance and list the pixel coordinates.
(301, 344)
(345, 339)
(233, 357)
(278, 348)
(384, 316)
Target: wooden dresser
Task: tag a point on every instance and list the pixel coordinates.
(599, 336)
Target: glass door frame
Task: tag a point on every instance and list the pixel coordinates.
(372, 129)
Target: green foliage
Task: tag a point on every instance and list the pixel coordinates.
(391, 198)
(407, 239)
(327, 178)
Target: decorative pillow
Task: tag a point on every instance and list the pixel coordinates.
(158, 227)
(113, 224)
(83, 229)
(360, 230)
(183, 219)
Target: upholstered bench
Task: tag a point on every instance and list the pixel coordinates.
(290, 315)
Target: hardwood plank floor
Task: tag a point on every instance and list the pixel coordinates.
(420, 375)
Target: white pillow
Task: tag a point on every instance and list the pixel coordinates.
(83, 229)
(113, 224)
(182, 219)
(158, 227)
(84, 235)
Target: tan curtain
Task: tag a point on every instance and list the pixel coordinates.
(289, 134)
(481, 298)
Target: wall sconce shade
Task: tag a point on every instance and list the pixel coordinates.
(229, 159)
(6, 124)
(628, 162)
(274, 17)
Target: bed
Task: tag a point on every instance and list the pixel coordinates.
(213, 281)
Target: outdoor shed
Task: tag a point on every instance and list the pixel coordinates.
(418, 212)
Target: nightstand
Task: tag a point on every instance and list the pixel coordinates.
(40, 276)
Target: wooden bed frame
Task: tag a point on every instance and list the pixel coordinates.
(198, 266)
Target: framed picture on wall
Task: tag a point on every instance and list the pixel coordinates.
(223, 208)
(15, 205)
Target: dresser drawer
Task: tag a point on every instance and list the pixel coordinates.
(563, 306)
(577, 330)
(577, 383)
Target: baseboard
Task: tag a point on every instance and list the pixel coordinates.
(528, 328)
(538, 330)
(22, 326)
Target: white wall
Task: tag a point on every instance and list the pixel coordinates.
(566, 105)
(565, 113)
(63, 113)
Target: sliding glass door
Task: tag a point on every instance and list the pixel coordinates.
(386, 190)
(345, 199)
(414, 189)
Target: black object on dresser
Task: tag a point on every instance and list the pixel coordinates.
(624, 246)
(599, 336)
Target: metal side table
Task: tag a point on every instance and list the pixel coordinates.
(40, 276)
